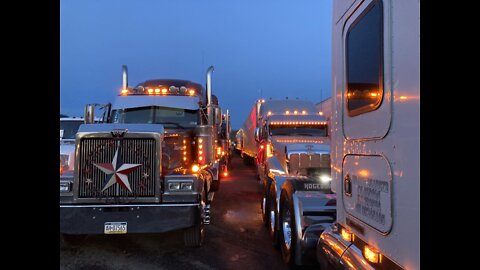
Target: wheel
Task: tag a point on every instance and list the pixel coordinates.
(288, 237)
(273, 217)
(264, 204)
(193, 237)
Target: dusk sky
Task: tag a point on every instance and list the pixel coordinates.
(259, 48)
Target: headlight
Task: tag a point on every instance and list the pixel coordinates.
(325, 179)
(174, 186)
(180, 186)
(64, 186)
(186, 186)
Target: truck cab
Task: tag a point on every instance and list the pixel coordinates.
(375, 136)
(293, 164)
(149, 166)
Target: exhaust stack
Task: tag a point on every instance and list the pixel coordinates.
(124, 77)
(209, 85)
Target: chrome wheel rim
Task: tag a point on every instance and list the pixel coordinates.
(272, 220)
(287, 231)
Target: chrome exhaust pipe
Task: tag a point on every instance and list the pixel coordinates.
(209, 85)
(124, 77)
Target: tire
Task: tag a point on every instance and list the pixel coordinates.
(272, 213)
(287, 235)
(193, 237)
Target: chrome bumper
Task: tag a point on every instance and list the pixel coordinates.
(333, 251)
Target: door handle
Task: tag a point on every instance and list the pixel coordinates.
(347, 184)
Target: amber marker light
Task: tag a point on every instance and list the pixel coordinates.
(372, 255)
(304, 112)
(150, 90)
(191, 92)
(124, 92)
(164, 90)
(61, 169)
(403, 97)
(195, 168)
(157, 90)
(321, 113)
(287, 112)
(295, 112)
(269, 113)
(347, 236)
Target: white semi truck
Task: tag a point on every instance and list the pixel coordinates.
(151, 165)
(375, 136)
(292, 153)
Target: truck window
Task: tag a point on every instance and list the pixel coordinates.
(303, 130)
(364, 61)
(170, 117)
(70, 128)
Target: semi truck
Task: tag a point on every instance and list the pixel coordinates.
(375, 136)
(293, 164)
(150, 166)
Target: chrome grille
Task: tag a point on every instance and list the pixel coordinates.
(102, 150)
(300, 162)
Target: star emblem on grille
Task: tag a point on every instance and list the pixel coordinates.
(145, 175)
(117, 170)
(88, 181)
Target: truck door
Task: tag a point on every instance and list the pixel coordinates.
(366, 113)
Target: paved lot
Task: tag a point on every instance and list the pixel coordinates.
(235, 239)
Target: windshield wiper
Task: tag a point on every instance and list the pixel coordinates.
(172, 123)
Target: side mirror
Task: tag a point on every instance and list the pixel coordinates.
(257, 134)
(218, 116)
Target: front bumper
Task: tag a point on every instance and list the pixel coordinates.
(151, 218)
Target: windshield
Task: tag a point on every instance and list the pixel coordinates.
(69, 128)
(306, 130)
(169, 117)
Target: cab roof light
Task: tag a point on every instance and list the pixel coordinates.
(124, 92)
(164, 90)
(150, 91)
(191, 92)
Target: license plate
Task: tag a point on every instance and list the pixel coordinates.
(115, 228)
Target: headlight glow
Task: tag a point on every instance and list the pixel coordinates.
(325, 179)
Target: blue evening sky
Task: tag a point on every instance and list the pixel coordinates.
(267, 48)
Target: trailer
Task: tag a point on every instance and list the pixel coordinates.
(375, 136)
